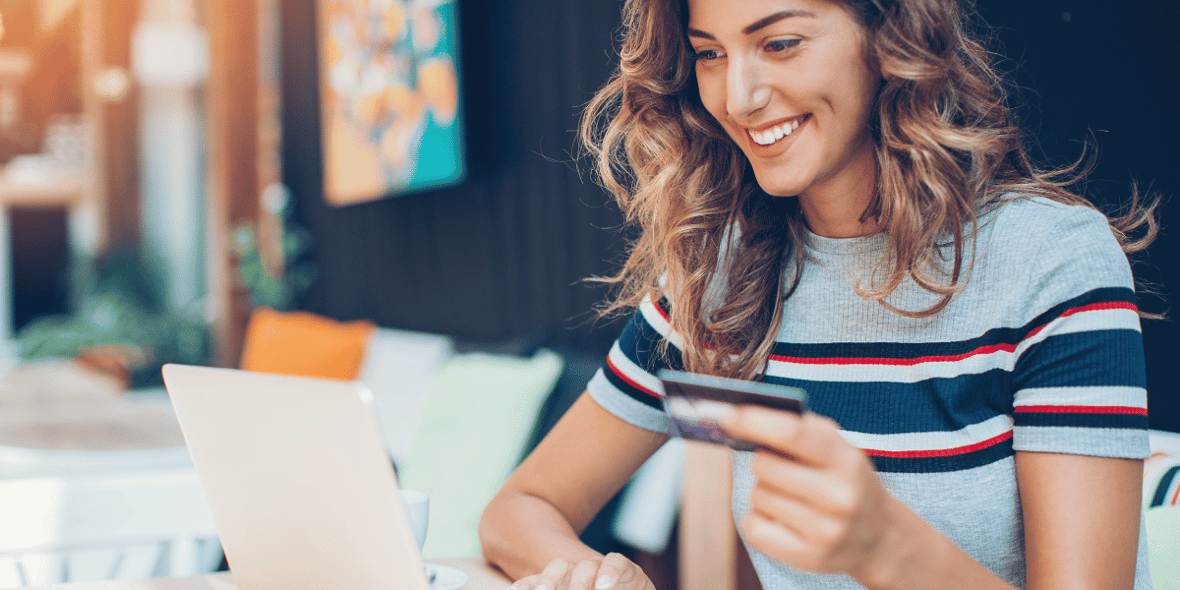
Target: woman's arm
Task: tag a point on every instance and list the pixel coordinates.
(547, 502)
(819, 505)
(1081, 519)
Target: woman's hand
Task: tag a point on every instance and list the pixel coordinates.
(613, 572)
(817, 503)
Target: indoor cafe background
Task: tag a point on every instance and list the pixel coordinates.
(166, 160)
(162, 171)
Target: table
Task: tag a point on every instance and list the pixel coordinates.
(59, 419)
(483, 577)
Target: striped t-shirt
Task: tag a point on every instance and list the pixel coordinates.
(1041, 351)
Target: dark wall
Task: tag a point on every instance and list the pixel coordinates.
(1110, 74)
(500, 256)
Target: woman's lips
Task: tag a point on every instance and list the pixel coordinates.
(777, 134)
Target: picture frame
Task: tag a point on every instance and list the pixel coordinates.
(390, 98)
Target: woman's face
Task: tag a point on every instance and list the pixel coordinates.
(788, 81)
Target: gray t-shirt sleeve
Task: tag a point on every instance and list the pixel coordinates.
(626, 384)
(1079, 379)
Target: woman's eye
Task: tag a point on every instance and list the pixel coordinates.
(782, 44)
(706, 55)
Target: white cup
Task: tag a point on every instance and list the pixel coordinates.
(417, 507)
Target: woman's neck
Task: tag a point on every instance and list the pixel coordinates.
(833, 207)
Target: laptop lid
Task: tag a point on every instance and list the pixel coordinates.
(298, 480)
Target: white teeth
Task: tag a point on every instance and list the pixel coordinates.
(774, 133)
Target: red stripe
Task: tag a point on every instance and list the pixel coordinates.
(1098, 306)
(661, 311)
(988, 349)
(1175, 497)
(999, 438)
(629, 380)
(1131, 410)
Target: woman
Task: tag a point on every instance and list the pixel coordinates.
(834, 193)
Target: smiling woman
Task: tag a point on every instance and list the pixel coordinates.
(793, 91)
(833, 196)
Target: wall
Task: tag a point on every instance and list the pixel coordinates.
(500, 256)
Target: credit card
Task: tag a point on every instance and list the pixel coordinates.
(696, 403)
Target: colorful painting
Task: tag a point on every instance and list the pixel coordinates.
(390, 97)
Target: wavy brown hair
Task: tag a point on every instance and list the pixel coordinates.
(946, 148)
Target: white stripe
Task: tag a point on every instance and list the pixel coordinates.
(971, 365)
(1086, 321)
(930, 441)
(633, 371)
(1099, 395)
(1094, 320)
(1104, 319)
(656, 319)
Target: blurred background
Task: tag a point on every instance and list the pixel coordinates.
(169, 164)
(170, 167)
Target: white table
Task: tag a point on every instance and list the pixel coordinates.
(483, 577)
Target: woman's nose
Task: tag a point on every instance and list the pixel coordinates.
(747, 90)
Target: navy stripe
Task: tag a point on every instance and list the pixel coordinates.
(913, 350)
(1103, 357)
(640, 342)
(1103, 295)
(1161, 490)
(1080, 420)
(932, 405)
(984, 456)
(631, 391)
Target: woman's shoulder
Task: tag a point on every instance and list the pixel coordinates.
(1043, 215)
(1061, 249)
(1031, 225)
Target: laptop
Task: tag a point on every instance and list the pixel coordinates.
(298, 480)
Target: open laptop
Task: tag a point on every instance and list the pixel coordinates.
(298, 480)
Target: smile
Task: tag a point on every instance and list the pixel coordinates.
(770, 135)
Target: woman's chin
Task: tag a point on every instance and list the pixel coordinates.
(780, 188)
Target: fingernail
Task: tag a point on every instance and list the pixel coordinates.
(603, 583)
(541, 587)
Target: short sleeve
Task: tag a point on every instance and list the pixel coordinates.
(626, 384)
(1079, 379)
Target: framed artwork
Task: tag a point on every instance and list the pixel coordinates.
(391, 116)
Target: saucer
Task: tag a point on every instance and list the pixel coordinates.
(447, 577)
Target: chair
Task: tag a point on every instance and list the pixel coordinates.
(128, 525)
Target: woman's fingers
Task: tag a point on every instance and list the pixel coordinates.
(809, 438)
(824, 488)
(526, 583)
(583, 574)
(612, 572)
(804, 527)
(616, 572)
(555, 576)
(817, 503)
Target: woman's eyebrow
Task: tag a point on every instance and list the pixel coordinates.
(756, 25)
(774, 18)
